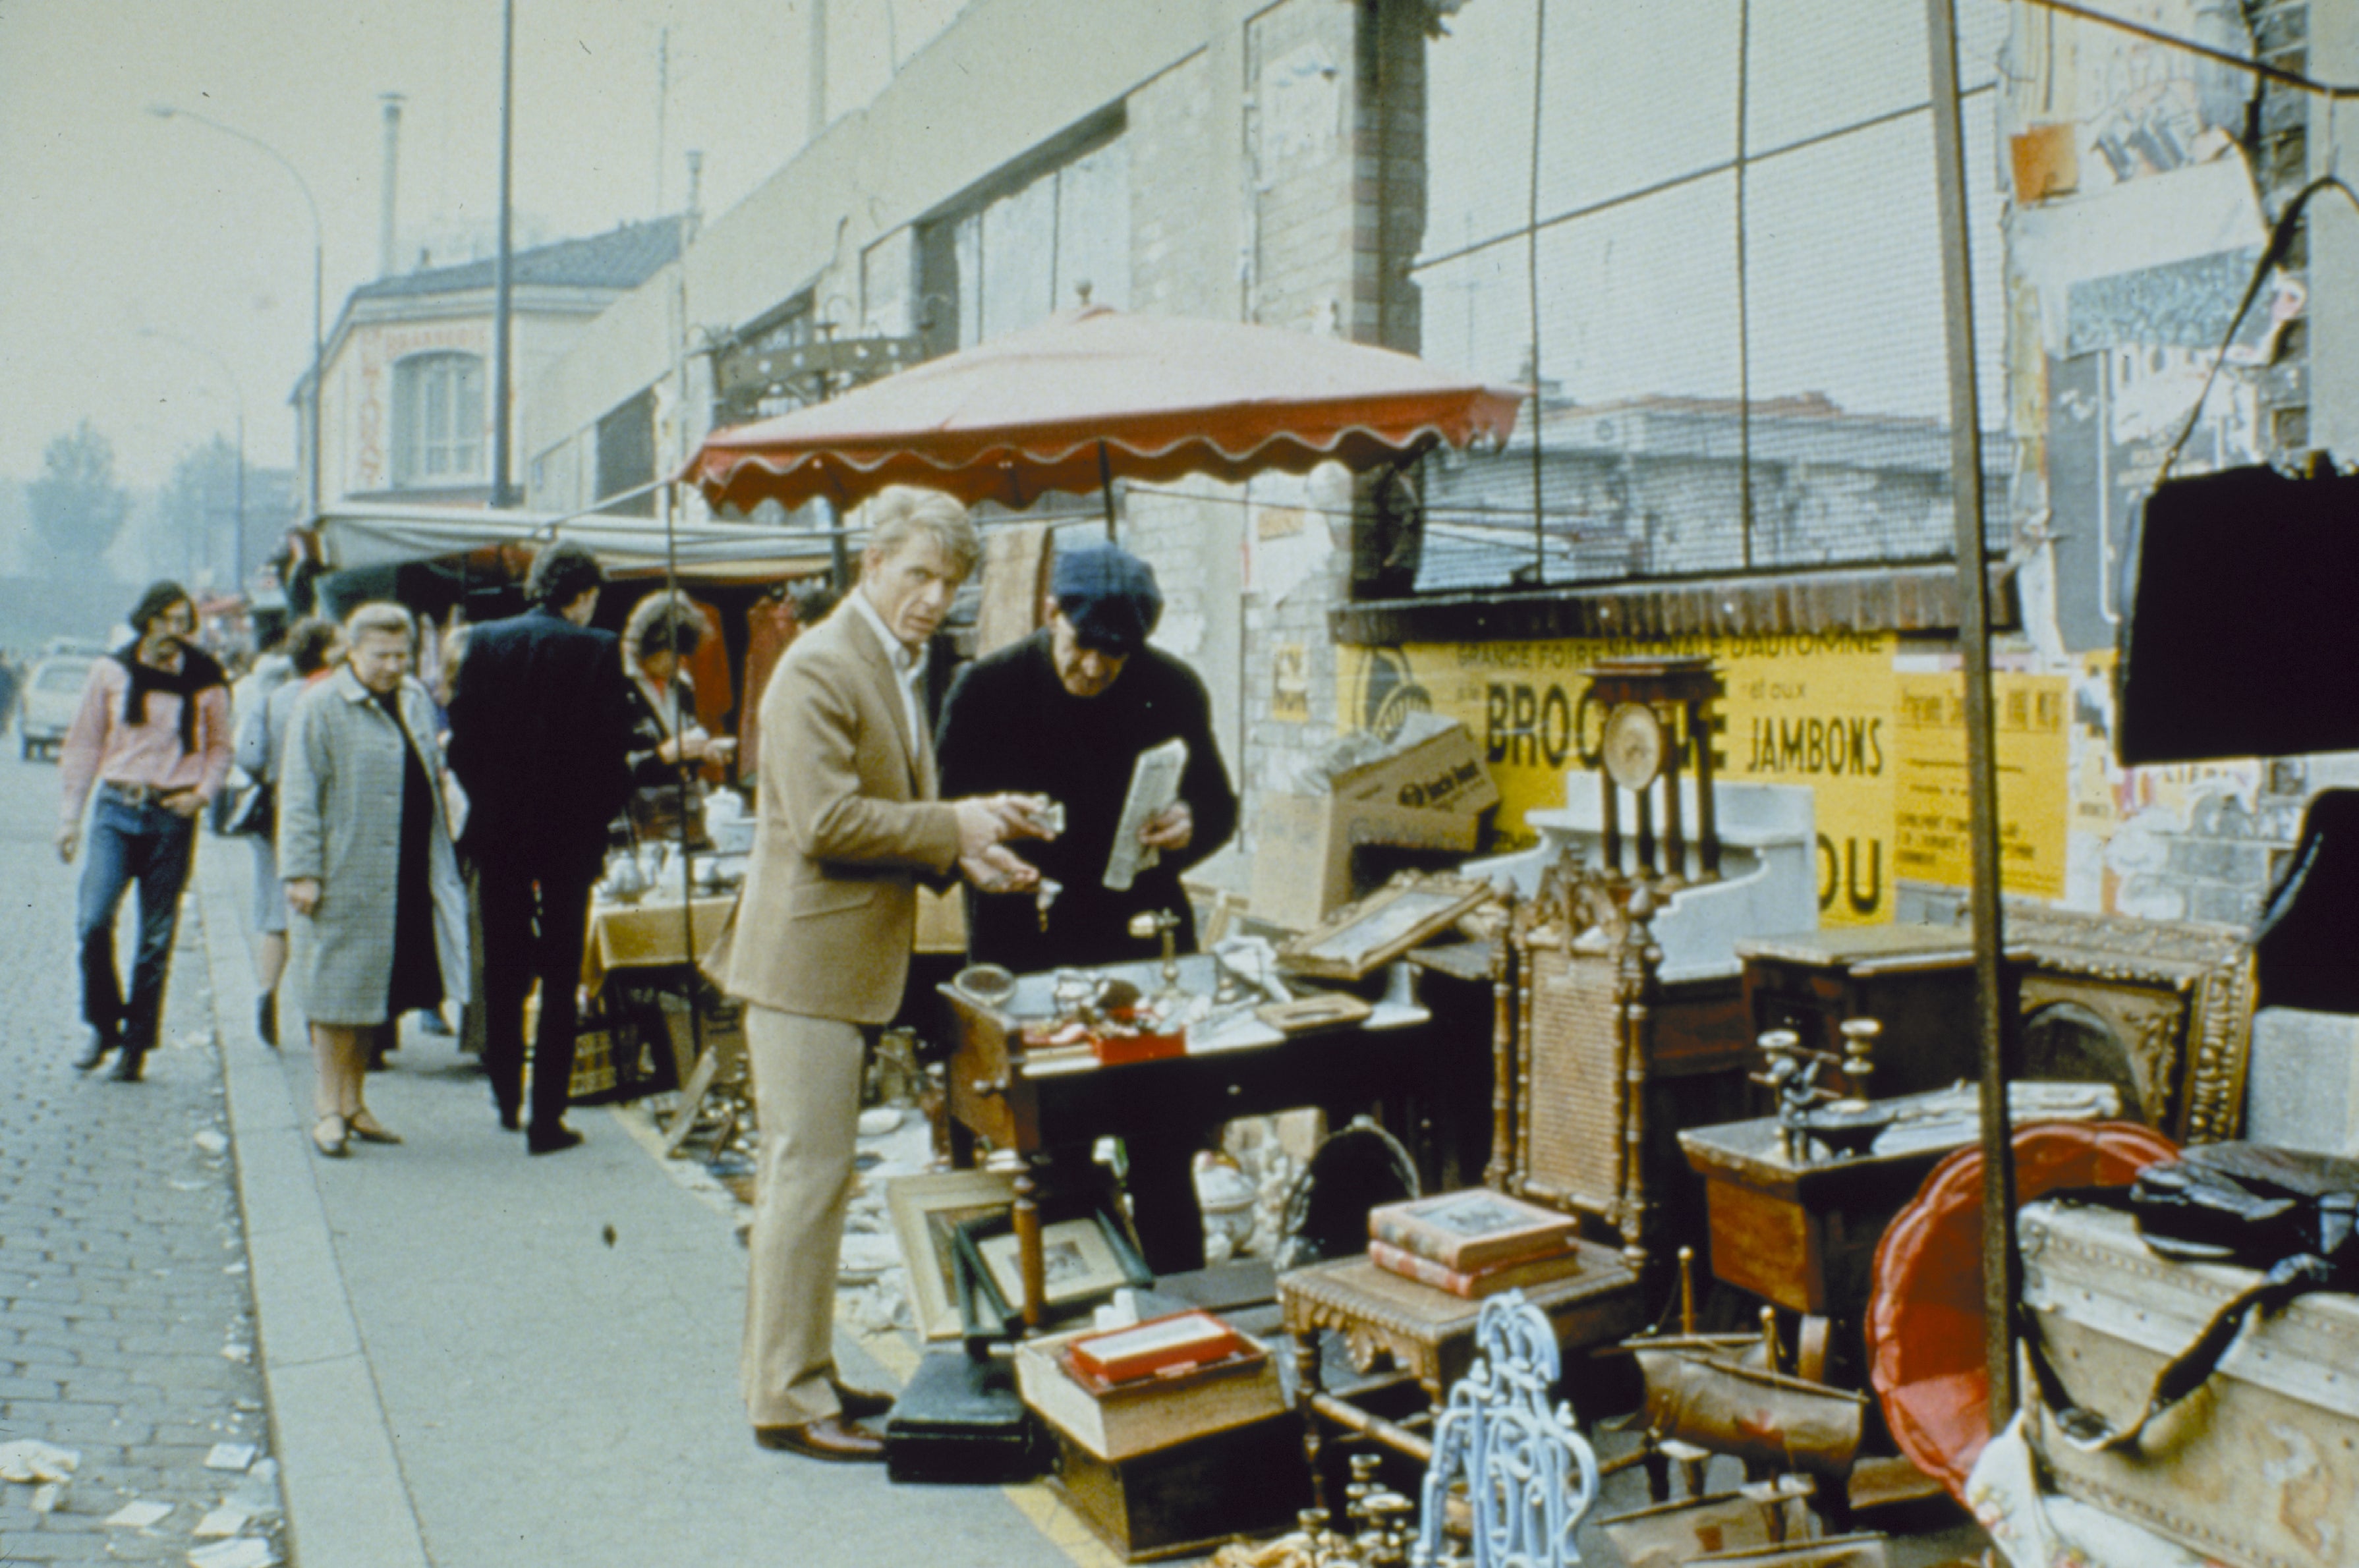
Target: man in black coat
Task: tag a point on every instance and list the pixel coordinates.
(539, 724)
(1066, 713)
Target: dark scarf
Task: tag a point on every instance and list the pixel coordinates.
(197, 673)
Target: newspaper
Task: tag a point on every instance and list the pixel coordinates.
(1154, 785)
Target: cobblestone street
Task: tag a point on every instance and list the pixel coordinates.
(126, 1335)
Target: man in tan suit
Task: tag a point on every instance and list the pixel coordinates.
(847, 823)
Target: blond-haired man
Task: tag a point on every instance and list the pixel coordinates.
(847, 823)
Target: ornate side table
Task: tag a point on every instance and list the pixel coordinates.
(1428, 1334)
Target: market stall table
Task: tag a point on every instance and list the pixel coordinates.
(649, 933)
(1002, 1097)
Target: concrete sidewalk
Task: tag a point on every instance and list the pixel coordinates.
(481, 1360)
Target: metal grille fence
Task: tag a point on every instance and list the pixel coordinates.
(1707, 232)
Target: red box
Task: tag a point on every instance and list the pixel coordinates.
(1117, 1050)
(1181, 1339)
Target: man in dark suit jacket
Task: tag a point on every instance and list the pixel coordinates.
(539, 725)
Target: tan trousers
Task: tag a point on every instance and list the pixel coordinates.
(807, 1093)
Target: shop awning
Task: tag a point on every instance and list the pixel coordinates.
(1093, 394)
(360, 535)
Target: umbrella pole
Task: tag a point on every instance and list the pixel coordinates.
(1999, 1267)
(1105, 488)
(679, 783)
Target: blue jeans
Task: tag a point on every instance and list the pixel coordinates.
(151, 846)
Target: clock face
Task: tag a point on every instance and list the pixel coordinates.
(1633, 745)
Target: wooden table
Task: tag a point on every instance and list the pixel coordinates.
(653, 934)
(1917, 980)
(999, 1095)
(1428, 1334)
(1801, 1236)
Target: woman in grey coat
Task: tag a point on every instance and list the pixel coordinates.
(365, 847)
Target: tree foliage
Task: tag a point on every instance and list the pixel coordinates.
(78, 508)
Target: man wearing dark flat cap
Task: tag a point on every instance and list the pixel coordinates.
(1066, 713)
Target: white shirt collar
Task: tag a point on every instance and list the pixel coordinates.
(903, 657)
(909, 666)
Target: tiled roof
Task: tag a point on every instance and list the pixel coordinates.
(623, 257)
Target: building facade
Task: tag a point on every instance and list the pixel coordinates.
(407, 390)
(1713, 251)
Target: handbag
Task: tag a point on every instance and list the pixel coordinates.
(2292, 1215)
(252, 813)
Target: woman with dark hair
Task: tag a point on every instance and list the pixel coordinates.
(311, 646)
(365, 846)
(667, 744)
(153, 736)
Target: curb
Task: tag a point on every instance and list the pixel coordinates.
(348, 1504)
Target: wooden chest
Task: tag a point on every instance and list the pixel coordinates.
(1184, 1500)
(2259, 1467)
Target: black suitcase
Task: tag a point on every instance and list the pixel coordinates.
(959, 1420)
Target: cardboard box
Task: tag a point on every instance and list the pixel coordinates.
(1444, 771)
(1303, 844)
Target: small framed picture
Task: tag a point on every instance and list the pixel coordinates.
(927, 1210)
(1382, 926)
(1085, 1258)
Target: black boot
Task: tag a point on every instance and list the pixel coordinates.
(266, 1018)
(128, 1065)
(100, 1042)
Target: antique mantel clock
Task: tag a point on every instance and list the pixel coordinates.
(1643, 722)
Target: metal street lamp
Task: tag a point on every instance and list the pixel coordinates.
(237, 533)
(318, 260)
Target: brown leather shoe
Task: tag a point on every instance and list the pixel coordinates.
(860, 1404)
(829, 1439)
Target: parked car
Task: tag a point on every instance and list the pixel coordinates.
(51, 695)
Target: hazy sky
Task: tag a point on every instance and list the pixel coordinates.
(113, 220)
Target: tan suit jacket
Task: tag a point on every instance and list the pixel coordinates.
(845, 823)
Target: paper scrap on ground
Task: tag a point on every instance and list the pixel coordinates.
(230, 1455)
(211, 1143)
(29, 1459)
(138, 1516)
(227, 1519)
(245, 1552)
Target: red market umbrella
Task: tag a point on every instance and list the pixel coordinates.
(1093, 394)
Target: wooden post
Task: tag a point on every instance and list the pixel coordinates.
(1999, 1266)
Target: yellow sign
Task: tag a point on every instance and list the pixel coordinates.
(1815, 709)
(2034, 773)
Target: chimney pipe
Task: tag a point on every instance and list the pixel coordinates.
(385, 245)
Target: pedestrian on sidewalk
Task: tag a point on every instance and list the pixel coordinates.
(265, 710)
(847, 820)
(153, 735)
(538, 726)
(365, 847)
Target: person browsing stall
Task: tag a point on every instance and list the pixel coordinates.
(1066, 713)
(667, 745)
(847, 820)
